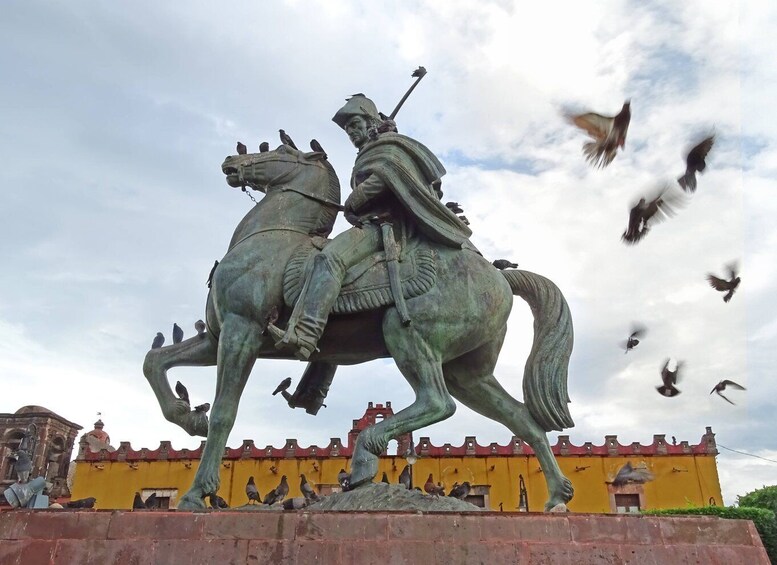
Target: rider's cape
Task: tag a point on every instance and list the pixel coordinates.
(397, 160)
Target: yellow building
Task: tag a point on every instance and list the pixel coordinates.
(679, 474)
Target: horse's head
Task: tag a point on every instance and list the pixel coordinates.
(264, 170)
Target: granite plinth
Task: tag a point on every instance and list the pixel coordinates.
(303, 537)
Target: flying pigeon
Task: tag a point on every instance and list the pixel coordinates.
(628, 474)
(316, 146)
(609, 133)
(137, 502)
(182, 392)
(694, 163)
(286, 140)
(637, 331)
(177, 334)
(252, 492)
(404, 477)
(670, 378)
(454, 207)
(159, 341)
(285, 383)
(307, 490)
(150, 501)
(344, 479)
(722, 285)
(264, 147)
(504, 264)
(650, 209)
(217, 502)
(460, 491)
(721, 386)
(241, 148)
(199, 325)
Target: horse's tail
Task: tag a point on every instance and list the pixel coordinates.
(545, 375)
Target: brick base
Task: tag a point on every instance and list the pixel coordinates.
(173, 538)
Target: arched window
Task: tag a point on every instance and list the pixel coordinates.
(11, 444)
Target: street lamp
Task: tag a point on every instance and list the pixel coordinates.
(411, 458)
(523, 496)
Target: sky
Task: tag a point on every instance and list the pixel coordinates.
(116, 119)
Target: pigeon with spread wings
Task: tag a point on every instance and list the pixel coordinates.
(637, 331)
(608, 132)
(721, 386)
(728, 286)
(649, 210)
(695, 163)
(670, 379)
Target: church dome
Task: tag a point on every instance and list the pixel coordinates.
(32, 409)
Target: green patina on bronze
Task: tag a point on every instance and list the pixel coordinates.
(445, 341)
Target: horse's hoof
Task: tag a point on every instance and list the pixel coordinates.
(561, 507)
(191, 502)
(364, 468)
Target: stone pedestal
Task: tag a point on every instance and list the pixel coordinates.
(173, 538)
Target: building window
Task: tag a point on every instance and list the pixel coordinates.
(627, 503)
(165, 497)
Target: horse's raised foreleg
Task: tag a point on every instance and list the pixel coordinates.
(422, 368)
(470, 379)
(239, 344)
(193, 352)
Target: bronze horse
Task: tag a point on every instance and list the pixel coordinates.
(448, 351)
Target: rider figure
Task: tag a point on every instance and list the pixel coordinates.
(395, 179)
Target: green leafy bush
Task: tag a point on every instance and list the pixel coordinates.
(765, 497)
(763, 518)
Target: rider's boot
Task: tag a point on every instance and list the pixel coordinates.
(311, 312)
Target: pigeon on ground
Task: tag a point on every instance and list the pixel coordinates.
(151, 501)
(650, 209)
(464, 220)
(159, 341)
(405, 478)
(608, 133)
(385, 478)
(252, 492)
(722, 285)
(264, 147)
(316, 146)
(137, 502)
(296, 503)
(669, 378)
(721, 386)
(82, 503)
(286, 140)
(199, 325)
(431, 488)
(278, 493)
(637, 331)
(694, 163)
(241, 148)
(284, 384)
(182, 392)
(217, 502)
(202, 407)
(344, 479)
(177, 334)
(307, 490)
(454, 207)
(460, 491)
(502, 264)
(628, 474)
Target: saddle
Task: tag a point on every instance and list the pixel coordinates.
(366, 285)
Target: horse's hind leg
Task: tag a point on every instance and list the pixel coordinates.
(239, 344)
(194, 352)
(470, 380)
(422, 368)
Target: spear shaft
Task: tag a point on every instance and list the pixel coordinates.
(420, 72)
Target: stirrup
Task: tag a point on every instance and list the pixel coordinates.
(303, 348)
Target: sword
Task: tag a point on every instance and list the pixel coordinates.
(392, 265)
